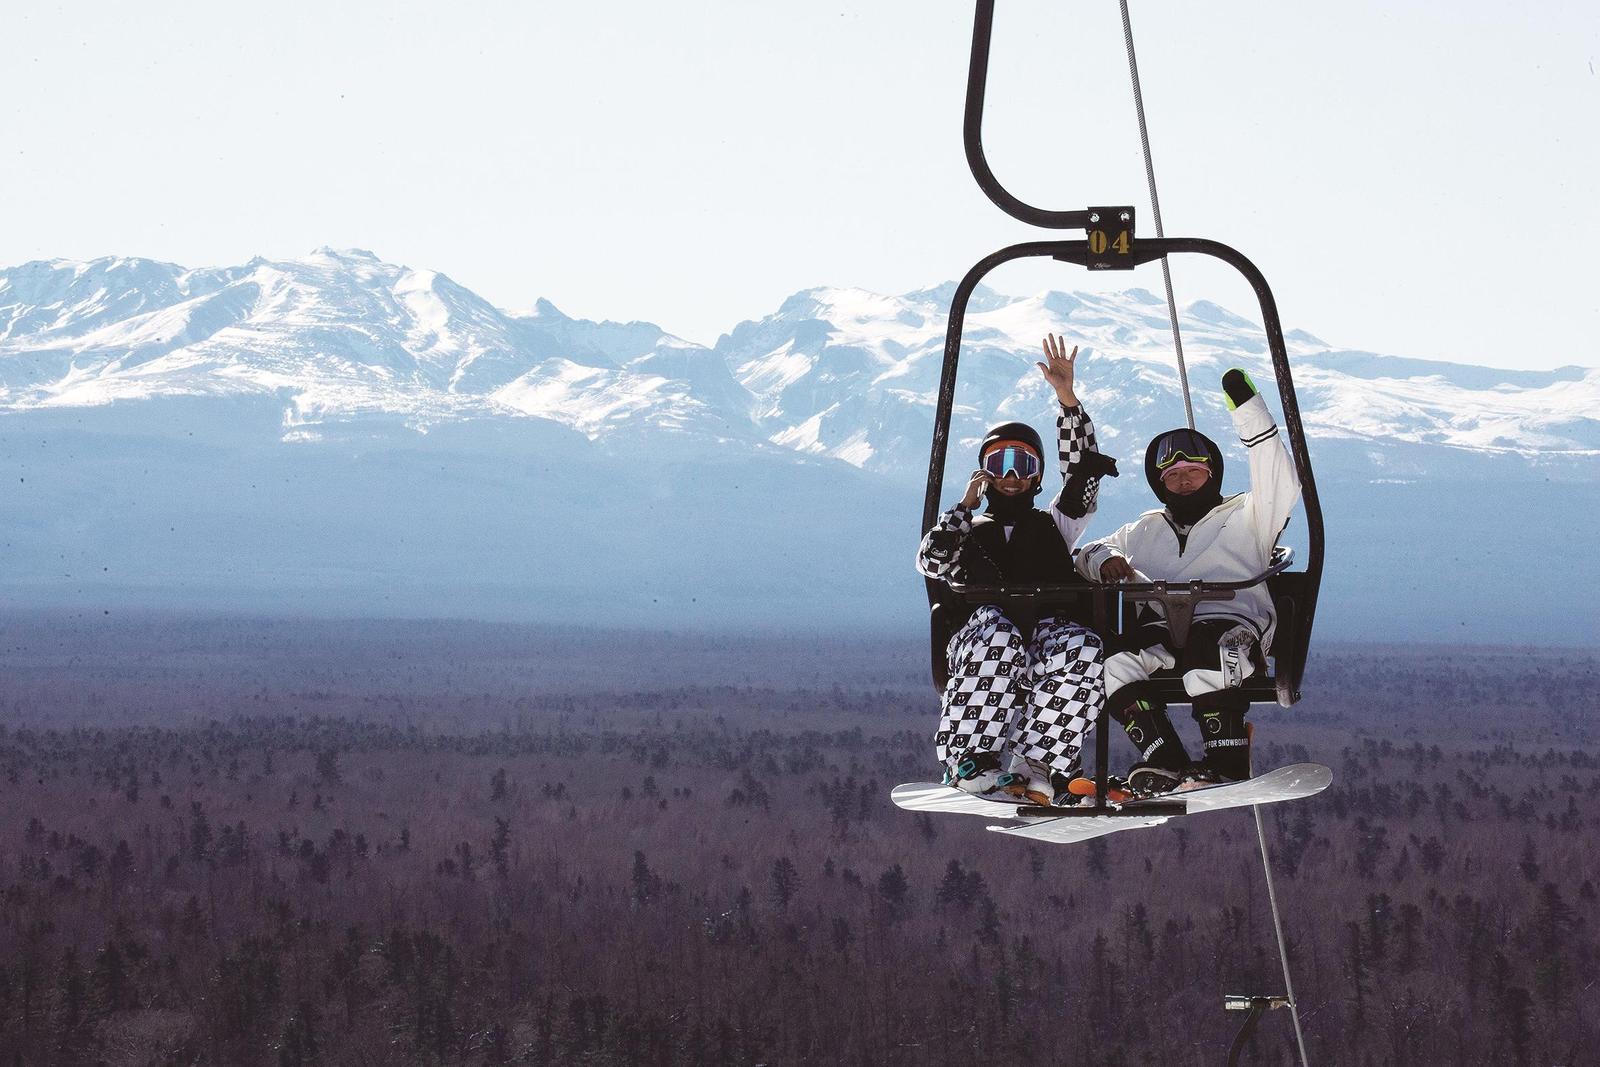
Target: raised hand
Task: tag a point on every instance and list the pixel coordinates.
(1058, 370)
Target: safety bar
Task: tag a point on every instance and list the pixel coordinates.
(1179, 599)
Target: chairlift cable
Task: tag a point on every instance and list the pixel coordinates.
(1155, 209)
(1188, 410)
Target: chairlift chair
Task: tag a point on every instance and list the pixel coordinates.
(1110, 243)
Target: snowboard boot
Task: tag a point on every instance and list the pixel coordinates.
(979, 773)
(1038, 783)
(1152, 733)
(1227, 742)
(1153, 780)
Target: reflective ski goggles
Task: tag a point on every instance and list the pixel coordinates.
(1009, 457)
(1182, 445)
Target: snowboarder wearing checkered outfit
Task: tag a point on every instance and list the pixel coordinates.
(1022, 691)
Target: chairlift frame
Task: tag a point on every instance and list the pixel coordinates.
(1294, 593)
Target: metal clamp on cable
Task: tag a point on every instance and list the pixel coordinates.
(1239, 1002)
(1110, 238)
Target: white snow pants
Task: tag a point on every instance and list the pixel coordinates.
(1219, 657)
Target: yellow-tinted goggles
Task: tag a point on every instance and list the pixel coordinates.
(1181, 445)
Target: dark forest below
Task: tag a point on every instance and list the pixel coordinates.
(251, 842)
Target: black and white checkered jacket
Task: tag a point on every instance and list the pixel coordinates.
(1038, 547)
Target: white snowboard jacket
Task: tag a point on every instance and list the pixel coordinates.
(1232, 542)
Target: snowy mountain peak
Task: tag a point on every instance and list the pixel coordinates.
(939, 296)
(1206, 311)
(544, 309)
(341, 326)
(1303, 339)
(836, 372)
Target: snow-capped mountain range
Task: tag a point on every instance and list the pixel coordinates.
(409, 447)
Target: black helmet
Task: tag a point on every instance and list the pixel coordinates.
(1012, 431)
(1180, 444)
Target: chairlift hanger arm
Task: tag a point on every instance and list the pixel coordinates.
(1300, 614)
(972, 136)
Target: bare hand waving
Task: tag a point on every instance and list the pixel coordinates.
(1058, 370)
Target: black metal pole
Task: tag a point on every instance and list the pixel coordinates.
(1102, 737)
(1257, 1006)
(972, 136)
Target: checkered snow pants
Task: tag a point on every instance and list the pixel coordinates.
(1037, 702)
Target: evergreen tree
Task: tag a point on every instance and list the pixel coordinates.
(644, 879)
(785, 879)
(109, 980)
(893, 888)
(1529, 864)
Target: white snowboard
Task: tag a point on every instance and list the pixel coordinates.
(1293, 782)
(1079, 827)
(929, 796)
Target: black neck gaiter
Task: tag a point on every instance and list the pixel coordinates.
(1008, 509)
(1188, 510)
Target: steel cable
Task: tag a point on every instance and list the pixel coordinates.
(1155, 210)
(1188, 410)
(1277, 926)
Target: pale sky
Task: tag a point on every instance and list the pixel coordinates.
(1413, 178)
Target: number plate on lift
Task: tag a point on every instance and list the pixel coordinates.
(1110, 238)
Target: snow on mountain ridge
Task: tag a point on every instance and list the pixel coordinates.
(835, 371)
(57, 298)
(340, 332)
(339, 431)
(1127, 375)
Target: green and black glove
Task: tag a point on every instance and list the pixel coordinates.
(1239, 388)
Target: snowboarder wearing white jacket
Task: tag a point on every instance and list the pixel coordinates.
(1022, 692)
(1199, 535)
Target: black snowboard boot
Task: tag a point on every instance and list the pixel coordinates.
(1152, 780)
(1227, 741)
(1152, 733)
